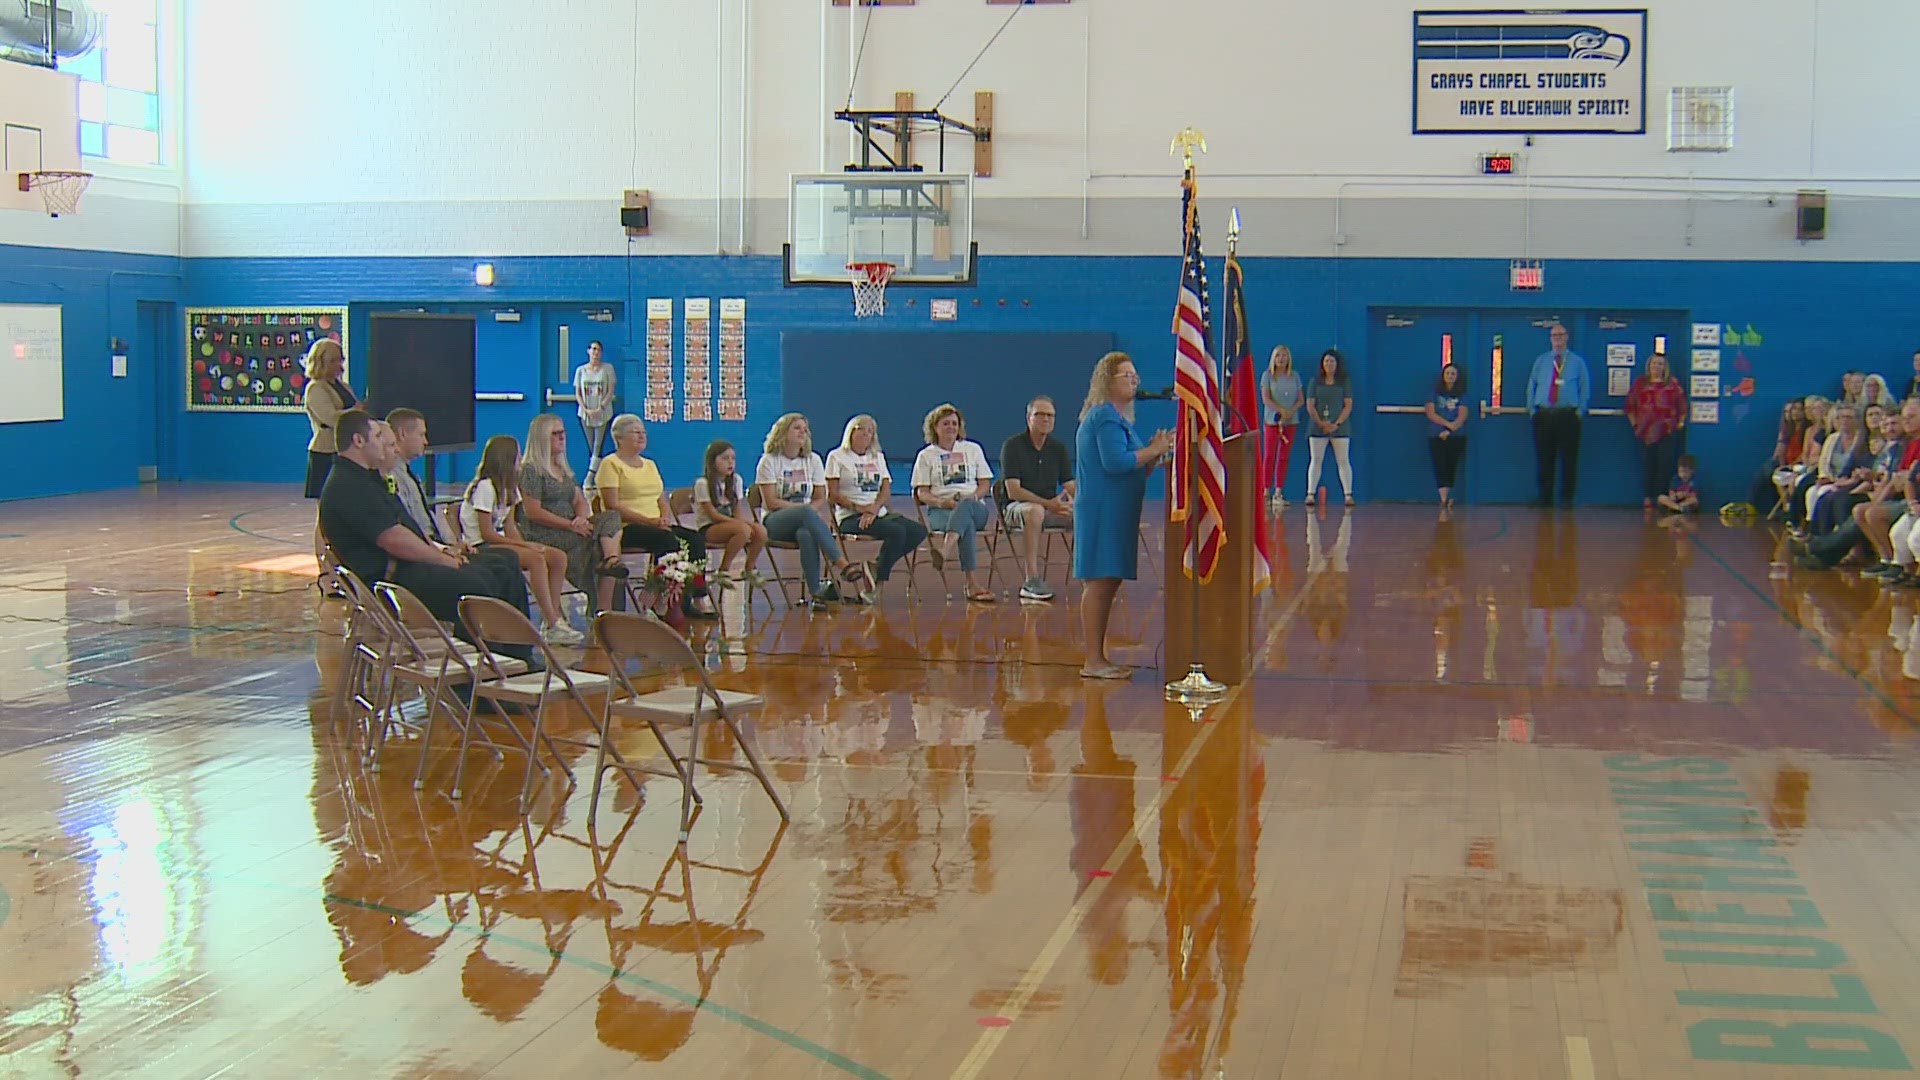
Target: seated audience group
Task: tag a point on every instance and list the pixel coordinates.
(525, 526)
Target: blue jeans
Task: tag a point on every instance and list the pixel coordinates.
(801, 525)
(897, 535)
(962, 521)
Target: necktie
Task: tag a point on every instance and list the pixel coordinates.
(1553, 388)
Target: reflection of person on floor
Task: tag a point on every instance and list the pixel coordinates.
(1446, 567)
(1100, 806)
(1555, 622)
(1326, 604)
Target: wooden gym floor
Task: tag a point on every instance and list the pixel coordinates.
(1518, 795)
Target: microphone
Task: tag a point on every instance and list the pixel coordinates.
(1165, 394)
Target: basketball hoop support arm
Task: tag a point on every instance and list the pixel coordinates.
(896, 122)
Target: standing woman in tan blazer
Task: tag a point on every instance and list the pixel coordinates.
(325, 398)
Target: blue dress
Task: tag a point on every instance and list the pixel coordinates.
(1112, 487)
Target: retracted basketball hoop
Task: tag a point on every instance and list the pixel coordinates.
(60, 189)
(869, 287)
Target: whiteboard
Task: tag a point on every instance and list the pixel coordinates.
(31, 380)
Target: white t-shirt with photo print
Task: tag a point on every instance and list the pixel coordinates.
(955, 472)
(793, 478)
(860, 475)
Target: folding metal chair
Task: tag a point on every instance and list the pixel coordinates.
(1005, 539)
(493, 625)
(434, 662)
(369, 657)
(697, 704)
(756, 505)
(989, 537)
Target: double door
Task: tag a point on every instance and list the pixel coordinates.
(1495, 350)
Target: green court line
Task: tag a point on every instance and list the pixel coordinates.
(761, 1027)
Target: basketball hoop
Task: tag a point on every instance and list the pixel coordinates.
(61, 190)
(869, 287)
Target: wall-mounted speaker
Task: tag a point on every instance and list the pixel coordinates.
(635, 210)
(1810, 216)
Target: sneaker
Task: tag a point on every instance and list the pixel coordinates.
(1036, 589)
(561, 634)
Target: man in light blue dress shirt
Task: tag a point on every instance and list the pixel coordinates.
(1557, 394)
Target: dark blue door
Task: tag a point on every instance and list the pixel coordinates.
(1406, 348)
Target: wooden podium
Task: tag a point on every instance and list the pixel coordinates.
(1225, 643)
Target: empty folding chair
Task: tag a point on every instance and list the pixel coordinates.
(697, 704)
(434, 662)
(494, 625)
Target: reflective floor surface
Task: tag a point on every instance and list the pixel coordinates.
(1518, 794)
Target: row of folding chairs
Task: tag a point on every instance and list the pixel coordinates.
(399, 654)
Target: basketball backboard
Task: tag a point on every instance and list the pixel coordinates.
(922, 223)
(39, 129)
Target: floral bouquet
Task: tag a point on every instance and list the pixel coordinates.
(671, 578)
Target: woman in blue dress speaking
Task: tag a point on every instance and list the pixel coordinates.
(1110, 465)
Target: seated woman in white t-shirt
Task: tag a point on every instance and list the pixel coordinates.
(951, 478)
(793, 489)
(487, 519)
(720, 510)
(859, 485)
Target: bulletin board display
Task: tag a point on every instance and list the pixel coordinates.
(249, 359)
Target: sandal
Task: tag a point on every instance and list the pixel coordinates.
(612, 567)
(981, 596)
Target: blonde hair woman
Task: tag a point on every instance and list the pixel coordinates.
(859, 485)
(554, 511)
(792, 482)
(1281, 393)
(1110, 467)
(326, 396)
(951, 479)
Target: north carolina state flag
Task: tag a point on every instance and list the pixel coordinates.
(1243, 405)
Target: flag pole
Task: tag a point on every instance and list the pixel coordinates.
(1196, 690)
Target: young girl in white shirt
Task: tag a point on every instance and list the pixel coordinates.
(487, 518)
(720, 508)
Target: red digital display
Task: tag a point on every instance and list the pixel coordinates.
(1496, 164)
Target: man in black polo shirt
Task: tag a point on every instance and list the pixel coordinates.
(361, 515)
(1036, 492)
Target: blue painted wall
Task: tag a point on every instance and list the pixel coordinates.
(96, 445)
(1816, 319)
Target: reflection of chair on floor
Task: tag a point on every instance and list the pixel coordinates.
(640, 1023)
(631, 640)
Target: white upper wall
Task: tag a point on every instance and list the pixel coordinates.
(389, 112)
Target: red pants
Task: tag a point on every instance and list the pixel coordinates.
(1276, 449)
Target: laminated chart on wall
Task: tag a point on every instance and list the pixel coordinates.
(658, 405)
(697, 360)
(733, 358)
(253, 359)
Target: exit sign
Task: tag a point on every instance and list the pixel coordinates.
(1526, 275)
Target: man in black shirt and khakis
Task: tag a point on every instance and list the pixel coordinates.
(1036, 493)
(361, 515)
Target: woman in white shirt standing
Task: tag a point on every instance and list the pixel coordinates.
(594, 383)
(793, 489)
(951, 479)
(859, 485)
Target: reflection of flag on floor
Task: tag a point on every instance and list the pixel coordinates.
(1198, 468)
(1237, 349)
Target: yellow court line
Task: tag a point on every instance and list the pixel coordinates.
(970, 1067)
(1579, 1058)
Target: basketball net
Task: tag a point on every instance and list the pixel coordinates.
(869, 287)
(60, 190)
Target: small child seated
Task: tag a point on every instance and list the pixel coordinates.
(1682, 497)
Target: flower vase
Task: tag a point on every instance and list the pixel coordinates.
(672, 610)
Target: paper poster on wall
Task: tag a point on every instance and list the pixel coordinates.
(944, 309)
(253, 359)
(1515, 72)
(1706, 359)
(35, 383)
(1706, 386)
(1619, 381)
(696, 353)
(658, 405)
(1621, 354)
(733, 358)
(1705, 412)
(1706, 333)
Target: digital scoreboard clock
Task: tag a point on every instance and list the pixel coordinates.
(1498, 164)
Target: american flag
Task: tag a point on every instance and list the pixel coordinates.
(1199, 472)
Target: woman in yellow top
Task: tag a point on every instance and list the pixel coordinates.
(630, 485)
(325, 398)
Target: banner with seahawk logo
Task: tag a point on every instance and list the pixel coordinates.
(1530, 72)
